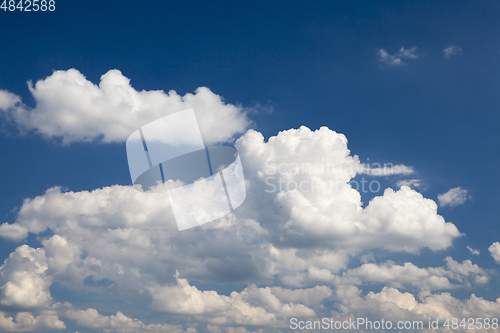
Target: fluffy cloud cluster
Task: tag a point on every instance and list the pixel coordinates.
(301, 225)
(123, 236)
(25, 321)
(252, 306)
(71, 108)
(396, 305)
(432, 278)
(120, 323)
(25, 283)
(327, 210)
(298, 235)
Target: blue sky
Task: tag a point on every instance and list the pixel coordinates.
(281, 65)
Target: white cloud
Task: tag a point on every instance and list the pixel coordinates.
(8, 100)
(64, 261)
(25, 321)
(25, 277)
(474, 252)
(452, 51)
(110, 207)
(215, 329)
(387, 170)
(416, 183)
(290, 236)
(392, 304)
(396, 221)
(24, 280)
(74, 109)
(454, 197)
(252, 306)
(495, 251)
(293, 235)
(120, 323)
(327, 210)
(396, 59)
(14, 232)
(433, 278)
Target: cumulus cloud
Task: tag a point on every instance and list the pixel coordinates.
(454, 197)
(25, 283)
(26, 321)
(397, 305)
(252, 306)
(120, 323)
(15, 232)
(25, 277)
(71, 108)
(64, 261)
(495, 251)
(397, 221)
(301, 223)
(396, 59)
(109, 207)
(307, 175)
(432, 278)
(297, 236)
(8, 100)
(452, 51)
(216, 329)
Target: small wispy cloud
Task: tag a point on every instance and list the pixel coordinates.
(474, 252)
(386, 170)
(454, 197)
(417, 183)
(396, 59)
(452, 51)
